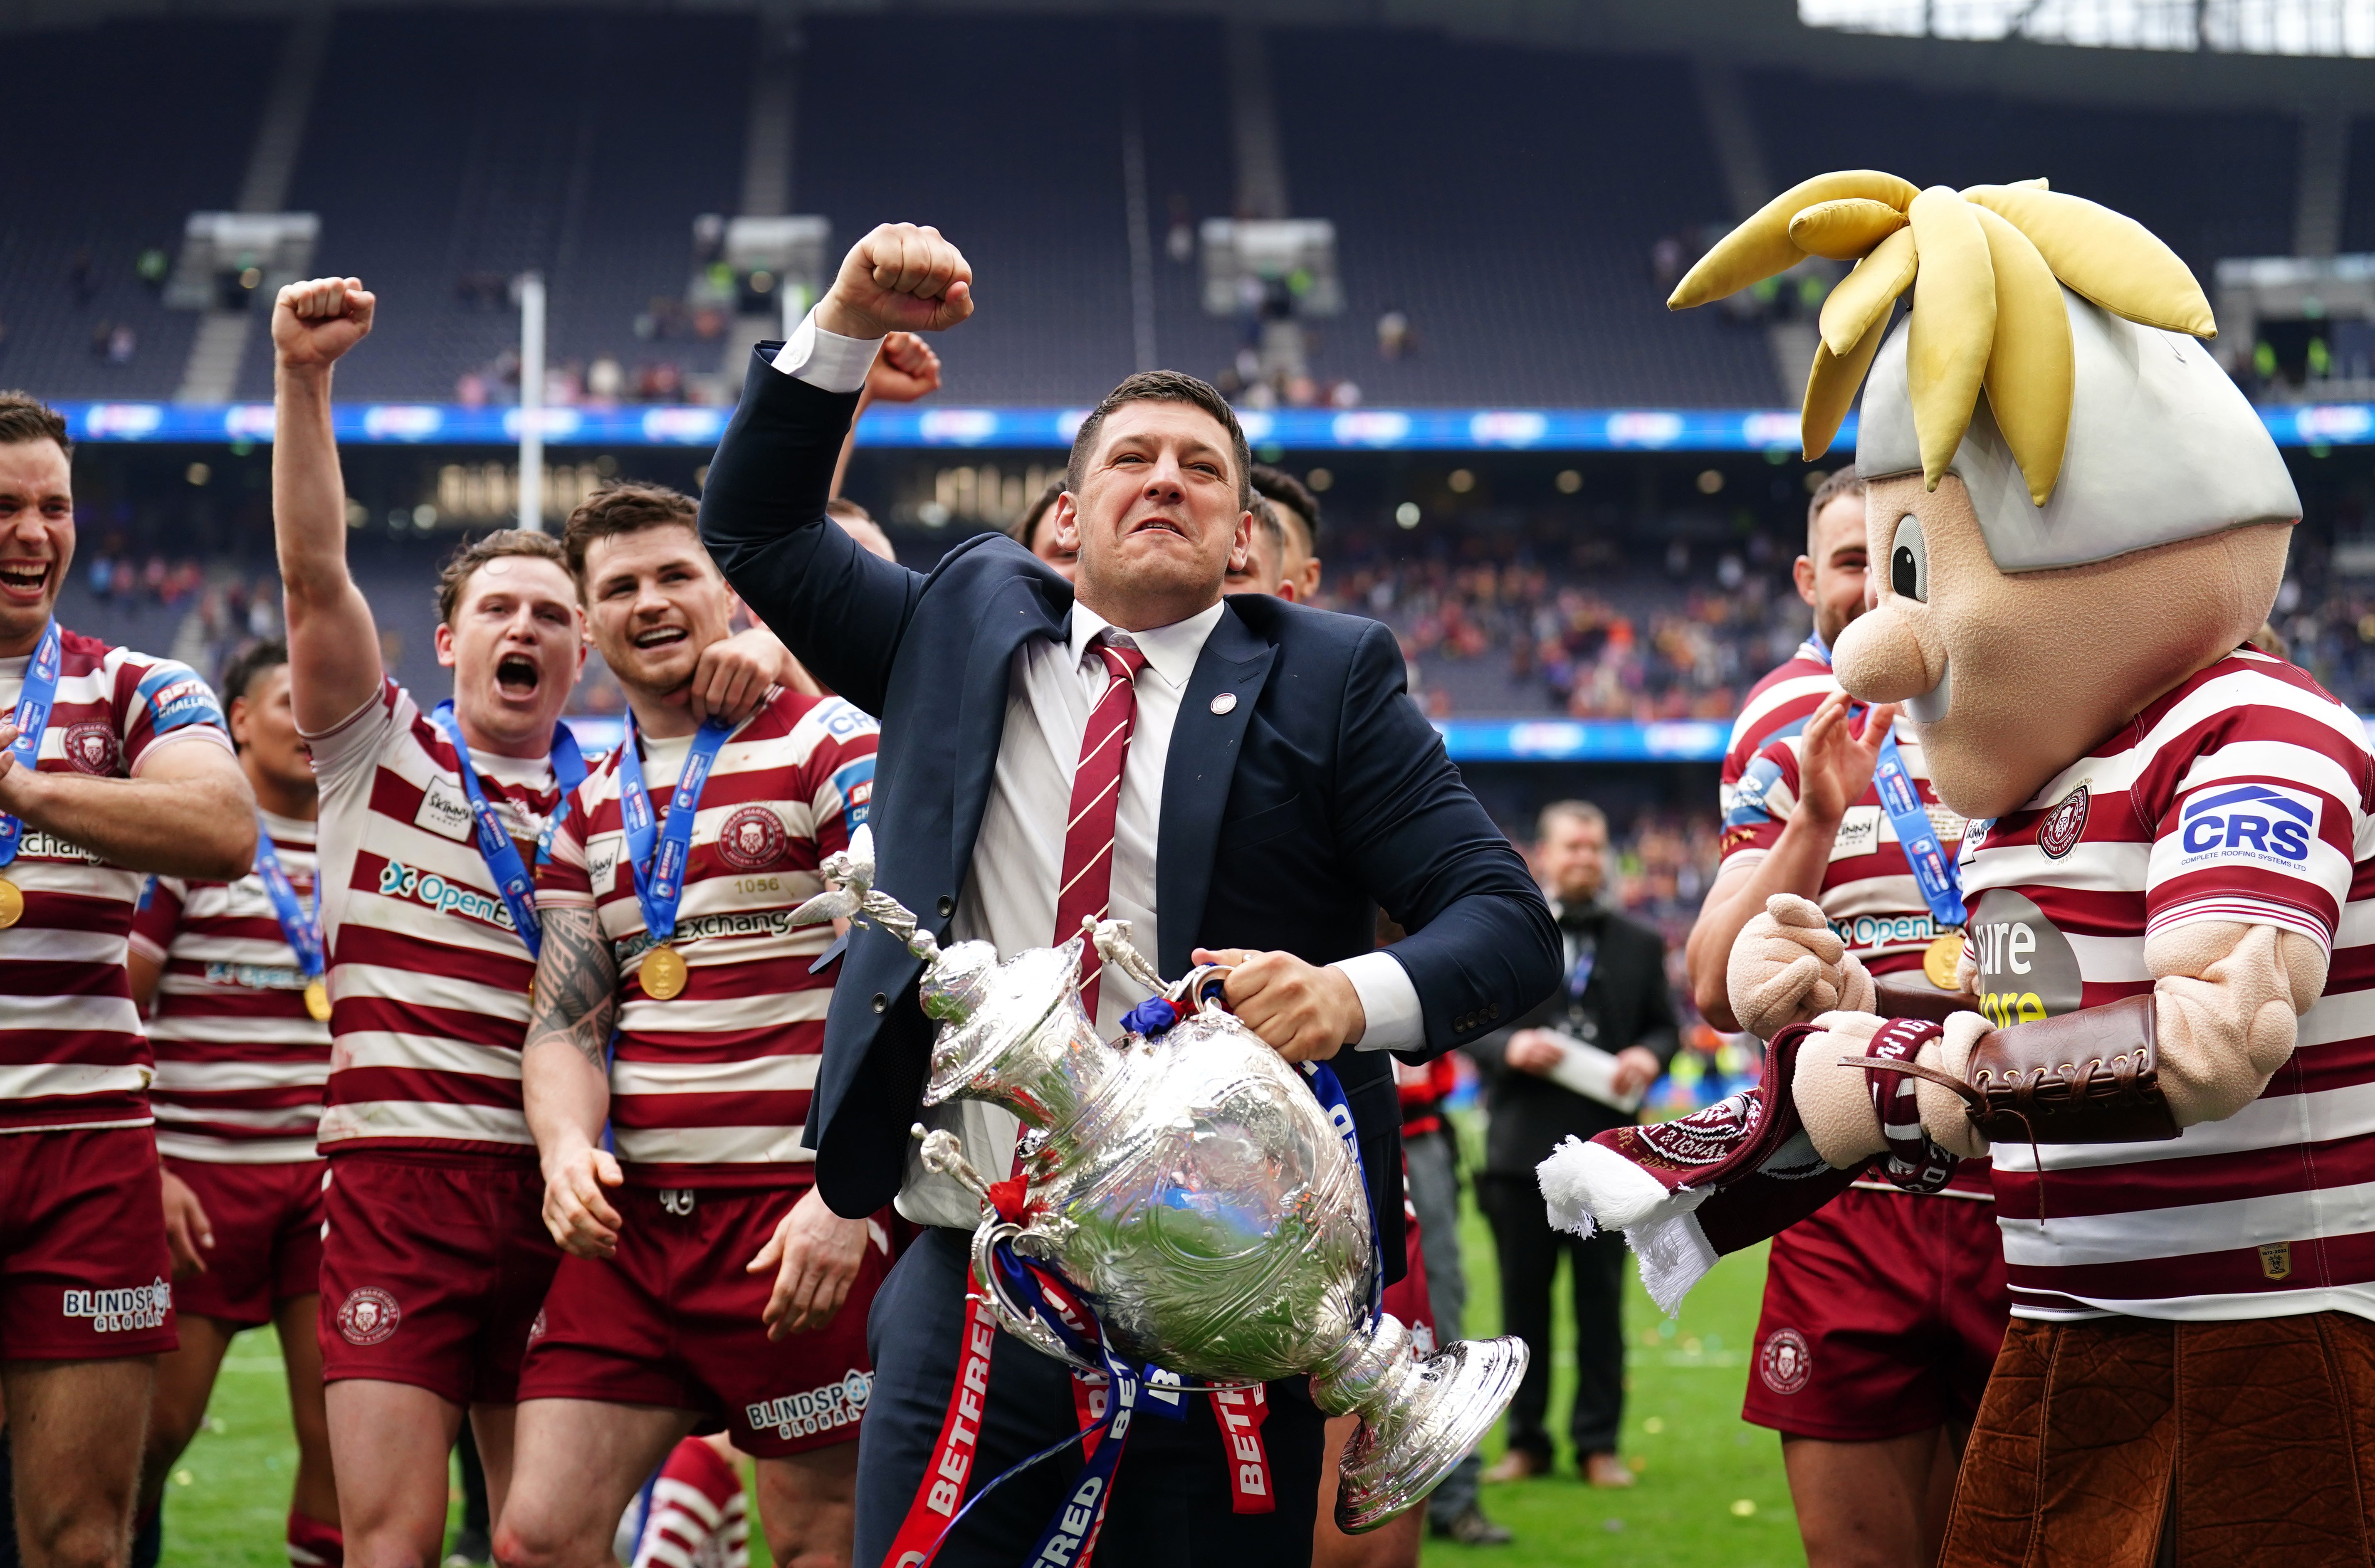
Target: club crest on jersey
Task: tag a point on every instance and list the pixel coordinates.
(2065, 825)
(369, 1316)
(91, 749)
(1784, 1361)
(2249, 821)
(752, 839)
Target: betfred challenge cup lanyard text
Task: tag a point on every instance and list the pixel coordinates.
(495, 846)
(1933, 871)
(31, 719)
(659, 871)
(300, 925)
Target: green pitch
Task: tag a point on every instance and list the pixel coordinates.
(1712, 1493)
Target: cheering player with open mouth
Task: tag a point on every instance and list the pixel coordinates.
(706, 1284)
(434, 1261)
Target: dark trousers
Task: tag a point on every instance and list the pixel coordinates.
(1529, 1251)
(1171, 1499)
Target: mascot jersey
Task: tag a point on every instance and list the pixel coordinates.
(2240, 796)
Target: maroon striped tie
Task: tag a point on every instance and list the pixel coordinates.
(1087, 886)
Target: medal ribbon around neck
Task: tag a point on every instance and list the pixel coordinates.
(657, 856)
(33, 720)
(301, 926)
(495, 846)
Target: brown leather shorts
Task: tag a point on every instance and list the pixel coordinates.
(2123, 1441)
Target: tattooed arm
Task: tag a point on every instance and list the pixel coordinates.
(566, 1078)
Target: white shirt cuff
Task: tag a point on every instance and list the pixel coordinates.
(826, 360)
(1396, 1021)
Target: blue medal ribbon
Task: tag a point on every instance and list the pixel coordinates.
(300, 927)
(1932, 872)
(659, 873)
(33, 720)
(495, 846)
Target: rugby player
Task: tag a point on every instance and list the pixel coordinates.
(1884, 1309)
(706, 1283)
(229, 975)
(113, 765)
(434, 1259)
(1298, 516)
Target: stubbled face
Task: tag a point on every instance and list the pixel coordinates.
(515, 644)
(37, 539)
(1263, 570)
(654, 600)
(2009, 680)
(1572, 859)
(264, 725)
(1830, 575)
(1157, 519)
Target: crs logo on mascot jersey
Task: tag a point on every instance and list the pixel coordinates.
(2265, 823)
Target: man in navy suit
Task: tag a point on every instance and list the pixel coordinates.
(1245, 780)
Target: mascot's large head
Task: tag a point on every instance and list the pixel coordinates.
(2071, 508)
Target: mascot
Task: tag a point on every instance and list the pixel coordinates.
(2165, 1030)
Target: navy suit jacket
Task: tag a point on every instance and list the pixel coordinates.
(1320, 794)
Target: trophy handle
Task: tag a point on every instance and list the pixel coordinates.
(1016, 1319)
(1199, 989)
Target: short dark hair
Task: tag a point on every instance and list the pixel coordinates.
(625, 507)
(1266, 518)
(455, 574)
(24, 418)
(1844, 482)
(239, 673)
(1290, 492)
(1023, 528)
(1166, 387)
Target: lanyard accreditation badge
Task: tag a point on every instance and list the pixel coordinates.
(495, 846)
(31, 719)
(1932, 872)
(300, 925)
(657, 856)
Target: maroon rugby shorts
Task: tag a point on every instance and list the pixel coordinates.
(673, 1320)
(84, 1274)
(1883, 1315)
(267, 1221)
(432, 1268)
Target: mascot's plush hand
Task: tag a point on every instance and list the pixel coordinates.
(1787, 966)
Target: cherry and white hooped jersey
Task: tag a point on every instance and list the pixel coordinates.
(1874, 905)
(429, 978)
(2242, 795)
(712, 1087)
(1868, 892)
(1777, 705)
(71, 1048)
(240, 1060)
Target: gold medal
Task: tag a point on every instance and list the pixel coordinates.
(665, 975)
(12, 903)
(317, 999)
(1940, 960)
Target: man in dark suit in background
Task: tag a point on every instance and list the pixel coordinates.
(1615, 1001)
(1243, 781)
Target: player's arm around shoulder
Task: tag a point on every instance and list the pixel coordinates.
(333, 643)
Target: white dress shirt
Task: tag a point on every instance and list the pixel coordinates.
(1018, 858)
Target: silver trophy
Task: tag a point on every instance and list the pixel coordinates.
(1194, 1191)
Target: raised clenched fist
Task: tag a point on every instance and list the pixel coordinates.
(904, 370)
(901, 277)
(1787, 965)
(316, 322)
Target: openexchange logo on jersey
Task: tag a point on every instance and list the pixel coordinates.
(123, 1312)
(399, 880)
(820, 1409)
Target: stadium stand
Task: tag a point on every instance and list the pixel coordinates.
(162, 111)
